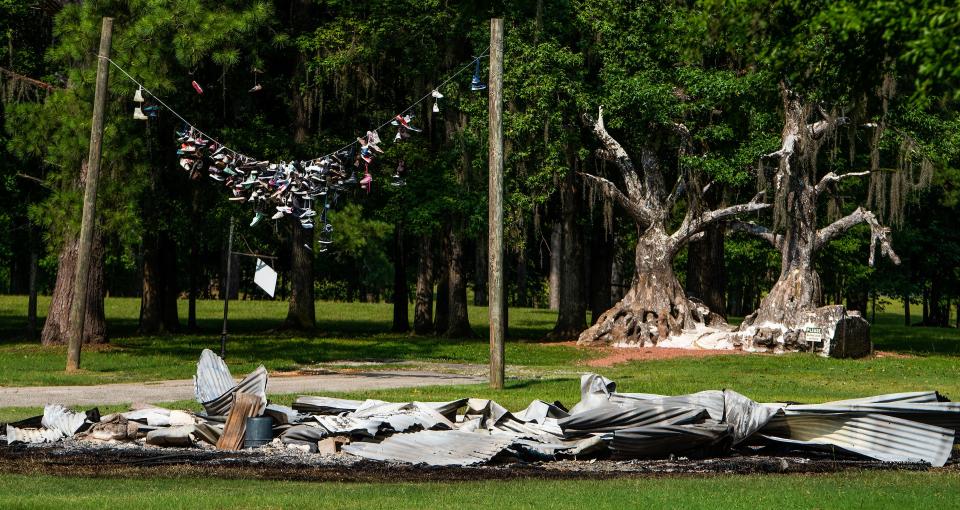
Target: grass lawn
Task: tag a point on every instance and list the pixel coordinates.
(888, 489)
(928, 357)
(345, 331)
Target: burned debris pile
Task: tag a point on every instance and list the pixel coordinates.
(902, 427)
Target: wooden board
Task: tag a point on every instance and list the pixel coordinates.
(244, 406)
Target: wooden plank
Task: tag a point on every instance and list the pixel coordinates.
(244, 406)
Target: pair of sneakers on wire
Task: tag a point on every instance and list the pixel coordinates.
(402, 121)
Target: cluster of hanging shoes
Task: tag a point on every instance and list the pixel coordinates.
(293, 188)
(141, 112)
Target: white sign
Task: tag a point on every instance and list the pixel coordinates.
(265, 278)
(812, 334)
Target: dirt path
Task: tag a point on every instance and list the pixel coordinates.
(617, 355)
(166, 391)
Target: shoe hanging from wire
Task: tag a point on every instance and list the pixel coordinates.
(475, 83)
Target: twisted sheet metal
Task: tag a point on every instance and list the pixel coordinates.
(213, 378)
(18, 435)
(663, 440)
(435, 447)
(59, 418)
(877, 436)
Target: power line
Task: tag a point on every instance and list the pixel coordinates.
(238, 154)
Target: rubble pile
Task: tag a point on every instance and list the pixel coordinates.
(902, 427)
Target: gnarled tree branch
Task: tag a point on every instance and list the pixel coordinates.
(611, 191)
(615, 153)
(692, 225)
(833, 177)
(878, 233)
(758, 231)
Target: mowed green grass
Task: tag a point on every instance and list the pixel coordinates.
(358, 331)
(345, 332)
(888, 489)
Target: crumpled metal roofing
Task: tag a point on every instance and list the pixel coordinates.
(403, 416)
(214, 385)
(59, 418)
(900, 427)
(877, 436)
(56, 423)
(666, 439)
(44, 435)
(325, 405)
(610, 418)
(435, 447)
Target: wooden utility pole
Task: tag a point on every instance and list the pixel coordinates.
(78, 305)
(495, 212)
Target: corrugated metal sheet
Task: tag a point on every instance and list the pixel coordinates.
(254, 384)
(304, 434)
(325, 405)
(213, 378)
(917, 397)
(663, 440)
(610, 418)
(402, 417)
(214, 385)
(17, 435)
(538, 411)
(348, 425)
(435, 447)
(941, 414)
(877, 436)
(59, 418)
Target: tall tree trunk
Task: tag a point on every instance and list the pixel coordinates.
(906, 310)
(32, 284)
(925, 319)
(556, 239)
(655, 307)
(706, 270)
(601, 269)
(195, 266)
(480, 272)
(857, 300)
(401, 319)
(458, 324)
(523, 293)
(571, 318)
(423, 309)
(55, 328)
(798, 288)
(301, 312)
(158, 304)
(441, 318)
(936, 317)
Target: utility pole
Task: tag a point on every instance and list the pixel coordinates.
(78, 306)
(226, 293)
(495, 212)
